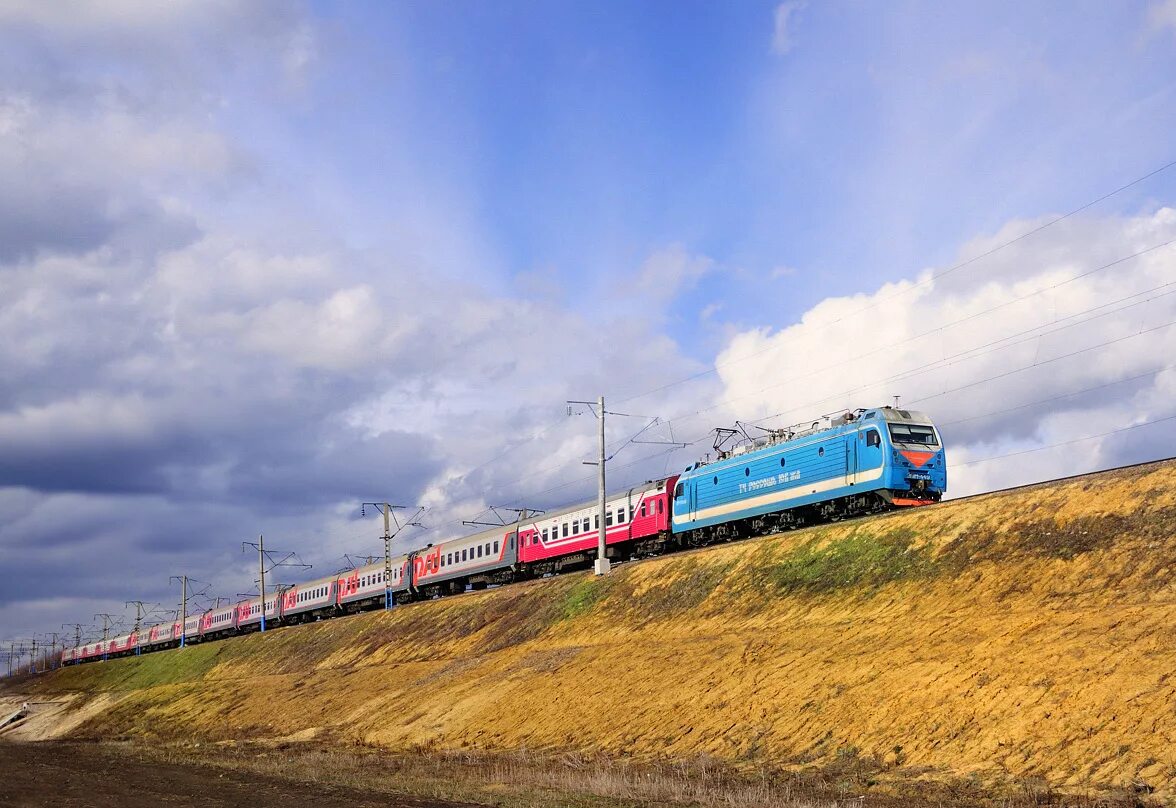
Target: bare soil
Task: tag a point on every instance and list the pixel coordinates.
(78, 775)
(265, 775)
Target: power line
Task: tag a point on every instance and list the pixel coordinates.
(1011, 409)
(946, 360)
(546, 430)
(906, 290)
(940, 328)
(971, 353)
(1064, 442)
(1046, 361)
(1054, 398)
(910, 373)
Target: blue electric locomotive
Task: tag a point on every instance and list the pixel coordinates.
(861, 462)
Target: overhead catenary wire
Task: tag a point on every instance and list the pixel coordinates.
(943, 361)
(903, 375)
(939, 329)
(919, 284)
(964, 463)
(668, 453)
(972, 353)
(956, 464)
(1051, 399)
(905, 290)
(1048, 361)
(544, 431)
(1029, 334)
(1064, 442)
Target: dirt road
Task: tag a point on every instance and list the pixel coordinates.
(73, 775)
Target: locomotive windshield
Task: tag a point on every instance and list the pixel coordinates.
(913, 433)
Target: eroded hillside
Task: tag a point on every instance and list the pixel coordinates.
(1027, 633)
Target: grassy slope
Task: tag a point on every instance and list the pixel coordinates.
(1031, 633)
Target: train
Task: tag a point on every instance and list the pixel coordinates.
(856, 463)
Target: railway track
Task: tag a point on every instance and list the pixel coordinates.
(688, 551)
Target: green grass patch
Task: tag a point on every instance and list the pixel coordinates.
(860, 559)
(583, 596)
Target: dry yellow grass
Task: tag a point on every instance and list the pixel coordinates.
(1023, 634)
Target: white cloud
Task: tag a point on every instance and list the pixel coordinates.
(784, 23)
(345, 331)
(1013, 319)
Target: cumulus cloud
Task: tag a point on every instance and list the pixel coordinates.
(1059, 336)
(174, 380)
(784, 23)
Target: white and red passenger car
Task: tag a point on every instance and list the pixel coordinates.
(637, 522)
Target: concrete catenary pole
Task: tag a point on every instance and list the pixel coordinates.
(602, 564)
(183, 610)
(261, 570)
(53, 637)
(139, 607)
(386, 509)
(77, 627)
(107, 619)
(387, 555)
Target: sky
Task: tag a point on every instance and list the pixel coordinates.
(263, 262)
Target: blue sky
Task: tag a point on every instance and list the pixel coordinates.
(575, 138)
(262, 262)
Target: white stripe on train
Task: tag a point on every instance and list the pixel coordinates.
(773, 497)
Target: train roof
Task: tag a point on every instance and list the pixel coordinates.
(822, 425)
(896, 414)
(648, 485)
(375, 566)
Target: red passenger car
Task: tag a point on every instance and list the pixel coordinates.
(637, 523)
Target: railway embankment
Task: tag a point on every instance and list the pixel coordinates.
(1023, 635)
